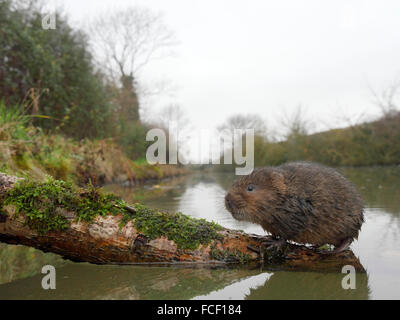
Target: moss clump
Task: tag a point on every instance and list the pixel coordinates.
(229, 255)
(186, 232)
(39, 202)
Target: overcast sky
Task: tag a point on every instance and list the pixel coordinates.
(268, 56)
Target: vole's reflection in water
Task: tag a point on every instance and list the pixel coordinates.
(293, 285)
(201, 196)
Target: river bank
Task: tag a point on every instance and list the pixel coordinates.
(27, 151)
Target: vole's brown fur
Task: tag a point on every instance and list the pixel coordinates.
(300, 201)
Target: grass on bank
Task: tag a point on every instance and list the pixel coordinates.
(27, 151)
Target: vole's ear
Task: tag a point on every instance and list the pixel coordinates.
(278, 181)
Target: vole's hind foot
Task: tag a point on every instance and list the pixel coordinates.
(342, 247)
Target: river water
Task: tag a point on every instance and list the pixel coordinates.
(201, 195)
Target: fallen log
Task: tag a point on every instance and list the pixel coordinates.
(89, 226)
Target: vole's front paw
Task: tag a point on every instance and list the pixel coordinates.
(274, 243)
(268, 243)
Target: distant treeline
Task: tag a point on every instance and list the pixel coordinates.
(370, 143)
(365, 144)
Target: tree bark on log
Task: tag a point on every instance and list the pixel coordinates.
(105, 241)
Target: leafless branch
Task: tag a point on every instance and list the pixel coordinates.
(387, 100)
(125, 41)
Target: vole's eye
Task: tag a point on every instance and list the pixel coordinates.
(250, 187)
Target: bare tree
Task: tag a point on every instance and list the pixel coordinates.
(295, 123)
(227, 134)
(126, 40)
(387, 100)
(249, 121)
(352, 121)
(175, 115)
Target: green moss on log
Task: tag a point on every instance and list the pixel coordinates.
(41, 202)
(186, 232)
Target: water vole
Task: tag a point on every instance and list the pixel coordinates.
(301, 201)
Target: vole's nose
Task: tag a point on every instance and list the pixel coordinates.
(228, 201)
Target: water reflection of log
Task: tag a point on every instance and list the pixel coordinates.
(85, 281)
(18, 262)
(104, 241)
